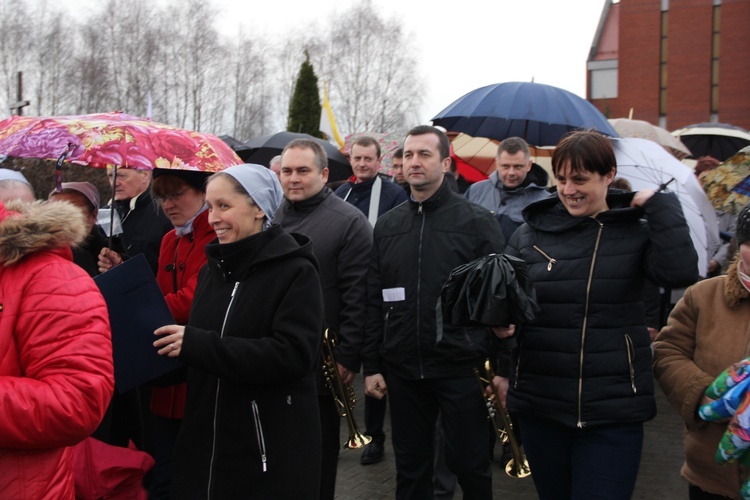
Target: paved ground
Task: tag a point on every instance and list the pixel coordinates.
(659, 476)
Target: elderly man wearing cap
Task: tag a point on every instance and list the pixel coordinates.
(14, 186)
(143, 222)
(251, 423)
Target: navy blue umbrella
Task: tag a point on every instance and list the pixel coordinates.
(541, 114)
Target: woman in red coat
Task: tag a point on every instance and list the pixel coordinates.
(56, 375)
(181, 194)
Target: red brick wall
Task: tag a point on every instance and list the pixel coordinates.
(688, 63)
(734, 63)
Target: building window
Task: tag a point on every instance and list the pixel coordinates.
(715, 51)
(663, 64)
(603, 83)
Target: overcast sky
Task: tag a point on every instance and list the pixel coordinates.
(463, 45)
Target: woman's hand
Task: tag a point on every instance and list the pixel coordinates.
(171, 341)
(108, 259)
(642, 197)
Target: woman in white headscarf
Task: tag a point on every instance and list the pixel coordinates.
(251, 425)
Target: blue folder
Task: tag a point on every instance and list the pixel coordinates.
(136, 308)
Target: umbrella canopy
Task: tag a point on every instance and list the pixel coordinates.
(742, 157)
(720, 183)
(720, 140)
(389, 143)
(101, 140)
(262, 149)
(646, 165)
(540, 114)
(642, 129)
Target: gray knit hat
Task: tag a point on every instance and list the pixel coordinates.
(261, 184)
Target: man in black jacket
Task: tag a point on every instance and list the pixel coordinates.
(429, 364)
(341, 240)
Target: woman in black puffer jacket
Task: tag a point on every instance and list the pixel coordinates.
(581, 384)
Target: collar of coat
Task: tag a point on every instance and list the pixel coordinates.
(443, 193)
(308, 205)
(734, 292)
(27, 228)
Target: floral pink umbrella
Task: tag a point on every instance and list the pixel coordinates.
(113, 139)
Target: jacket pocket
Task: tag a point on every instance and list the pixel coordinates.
(259, 435)
(631, 361)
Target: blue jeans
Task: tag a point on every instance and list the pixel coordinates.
(415, 406)
(590, 463)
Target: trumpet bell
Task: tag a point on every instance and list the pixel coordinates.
(357, 441)
(518, 472)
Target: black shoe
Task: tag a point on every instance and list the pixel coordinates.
(372, 454)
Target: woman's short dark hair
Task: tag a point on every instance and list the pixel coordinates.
(585, 150)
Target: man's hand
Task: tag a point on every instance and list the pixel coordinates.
(347, 376)
(502, 332)
(108, 259)
(375, 386)
(501, 386)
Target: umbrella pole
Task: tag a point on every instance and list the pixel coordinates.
(112, 208)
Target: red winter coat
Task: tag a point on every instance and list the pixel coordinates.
(56, 374)
(184, 256)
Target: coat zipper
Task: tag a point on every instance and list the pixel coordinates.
(631, 355)
(419, 281)
(385, 326)
(259, 435)
(580, 423)
(550, 259)
(216, 397)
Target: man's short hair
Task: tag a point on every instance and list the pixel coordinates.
(399, 153)
(445, 144)
(513, 145)
(321, 158)
(366, 141)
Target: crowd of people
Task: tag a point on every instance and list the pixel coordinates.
(256, 262)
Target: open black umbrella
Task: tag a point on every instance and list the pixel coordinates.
(262, 149)
(719, 140)
(540, 114)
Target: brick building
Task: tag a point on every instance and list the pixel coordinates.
(673, 62)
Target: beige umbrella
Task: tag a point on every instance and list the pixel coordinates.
(480, 152)
(642, 129)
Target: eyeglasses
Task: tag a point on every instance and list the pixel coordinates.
(173, 197)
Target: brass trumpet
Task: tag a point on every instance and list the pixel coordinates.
(517, 466)
(343, 394)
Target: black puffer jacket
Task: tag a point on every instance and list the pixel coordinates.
(585, 359)
(416, 247)
(251, 425)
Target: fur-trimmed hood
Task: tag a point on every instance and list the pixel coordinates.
(31, 228)
(734, 292)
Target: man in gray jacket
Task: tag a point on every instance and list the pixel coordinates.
(342, 241)
(515, 184)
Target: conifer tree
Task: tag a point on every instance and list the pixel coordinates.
(304, 109)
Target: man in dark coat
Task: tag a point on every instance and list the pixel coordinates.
(429, 364)
(341, 240)
(366, 190)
